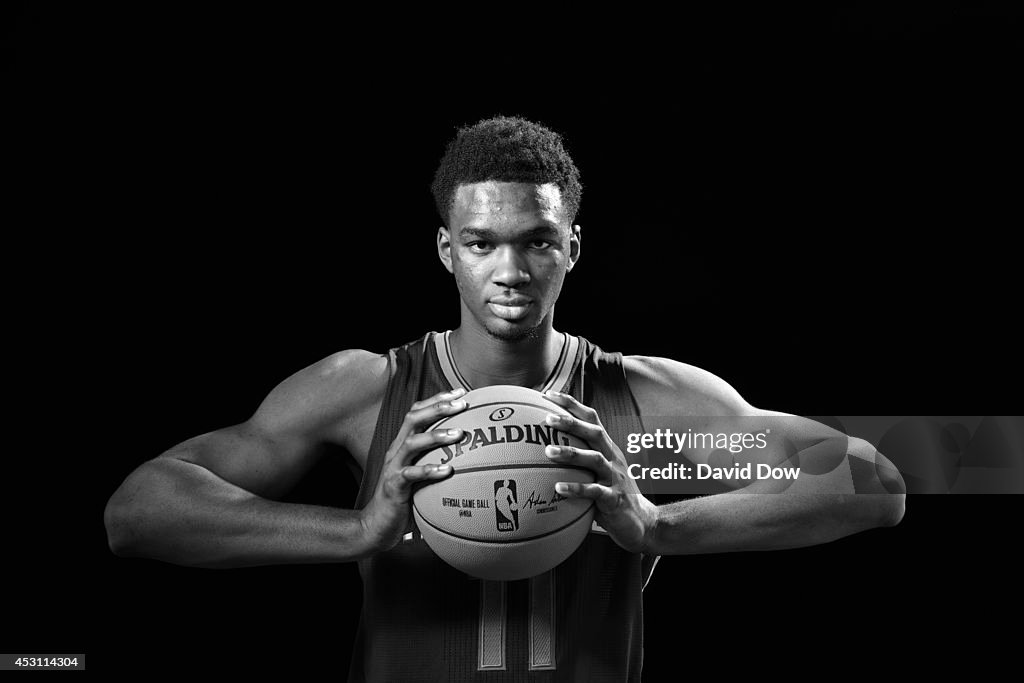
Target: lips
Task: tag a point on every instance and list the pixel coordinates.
(511, 300)
(510, 308)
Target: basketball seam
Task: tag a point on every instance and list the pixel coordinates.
(526, 466)
(484, 405)
(516, 540)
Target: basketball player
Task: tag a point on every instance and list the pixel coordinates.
(507, 193)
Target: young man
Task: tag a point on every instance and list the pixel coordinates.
(508, 194)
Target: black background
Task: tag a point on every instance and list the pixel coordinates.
(815, 205)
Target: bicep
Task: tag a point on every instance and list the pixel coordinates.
(250, 457)
(687, 400)
(777, 446)
(271, 451)
(722, 429)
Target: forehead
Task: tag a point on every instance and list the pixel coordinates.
(505, 201)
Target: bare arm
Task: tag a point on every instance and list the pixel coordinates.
(845, 485)
(208, 502)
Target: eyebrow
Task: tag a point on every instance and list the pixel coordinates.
(488, 234)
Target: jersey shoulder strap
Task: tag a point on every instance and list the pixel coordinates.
(414, 374)
(600, 382)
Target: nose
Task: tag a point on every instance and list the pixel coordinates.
(510, 269)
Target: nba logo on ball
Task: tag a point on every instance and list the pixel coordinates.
(506, 505)
(498, 515)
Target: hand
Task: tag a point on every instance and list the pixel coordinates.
(386, 517)
(625, 513)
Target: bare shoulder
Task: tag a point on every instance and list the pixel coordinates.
(320, 398)
(662, 386)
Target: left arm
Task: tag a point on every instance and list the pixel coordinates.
(845, 485)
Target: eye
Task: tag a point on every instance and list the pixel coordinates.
(540, 245)
(479, 247)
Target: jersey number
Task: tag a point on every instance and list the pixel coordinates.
(493, 623)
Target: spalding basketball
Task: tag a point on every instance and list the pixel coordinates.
(498, 516)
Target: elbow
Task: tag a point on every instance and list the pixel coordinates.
(131, 515)
(880, 481)
(116, 520)
(114, 525)
(896, 491)
(894, 509)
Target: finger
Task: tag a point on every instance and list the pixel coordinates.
(595, 461)
(440, 396)
(415, 473)
(415, 444)
(604, 496)
(591, 433)
(399, 485)
(421, 418)
(574, 407)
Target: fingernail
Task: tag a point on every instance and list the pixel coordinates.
(554, 419)
(458, 404)
(457, 392)
(442, 468)
(552, 450)
(561, 488)
(454, 432)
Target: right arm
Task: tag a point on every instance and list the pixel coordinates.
(208, 502)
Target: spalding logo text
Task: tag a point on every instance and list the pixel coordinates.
(478, 438)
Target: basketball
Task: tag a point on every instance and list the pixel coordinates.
(498, 516)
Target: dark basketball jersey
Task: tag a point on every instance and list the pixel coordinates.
(423, 620)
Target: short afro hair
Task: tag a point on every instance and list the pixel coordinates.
(507, 149)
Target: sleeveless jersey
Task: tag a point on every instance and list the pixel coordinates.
(423, 620)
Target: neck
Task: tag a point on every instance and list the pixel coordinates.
(485, 360)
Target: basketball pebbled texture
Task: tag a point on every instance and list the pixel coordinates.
(498, 516)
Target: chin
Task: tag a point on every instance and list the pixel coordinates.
(510, 332)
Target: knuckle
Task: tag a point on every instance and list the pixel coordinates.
(389, 487)
(433, 412)
(416, 443)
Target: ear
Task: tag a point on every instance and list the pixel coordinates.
(575, 237)
(444, 247)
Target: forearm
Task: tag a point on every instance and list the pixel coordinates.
(861, 491)
(178, 512)
(739, 521)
